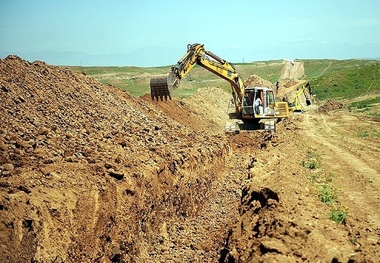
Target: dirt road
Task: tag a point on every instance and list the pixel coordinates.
(281, 215)
(91, 174)
(350, 151)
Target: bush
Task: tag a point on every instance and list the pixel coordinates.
(338, 215)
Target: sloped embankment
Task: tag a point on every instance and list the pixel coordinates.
(87, 172)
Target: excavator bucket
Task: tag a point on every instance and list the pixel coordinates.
(161, 87)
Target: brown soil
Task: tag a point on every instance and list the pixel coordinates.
(292, 70)
(329, 106)
(91, 174)
(291, 79)
(256, 81)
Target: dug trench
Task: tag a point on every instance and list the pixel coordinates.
(90, 174)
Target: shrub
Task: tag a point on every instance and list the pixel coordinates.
(338, 215)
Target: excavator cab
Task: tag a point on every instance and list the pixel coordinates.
(258, 102)
(248, 101)
(244, 98)
(270, 103)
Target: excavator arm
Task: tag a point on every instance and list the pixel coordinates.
(304, 93)
(162, 86)
(243, 97)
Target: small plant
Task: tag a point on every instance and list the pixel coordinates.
(311, 164)
(327, 194)
(312, 161)
(353, 240)
(338, 215)
(361, 133)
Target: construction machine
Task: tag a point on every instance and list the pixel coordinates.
(302, 94)
(251, 103)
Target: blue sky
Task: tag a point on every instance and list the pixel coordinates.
(154, 33)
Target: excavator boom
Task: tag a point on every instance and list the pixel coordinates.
(162, 86)
(243, 97)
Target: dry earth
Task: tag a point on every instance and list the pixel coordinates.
(91, 174)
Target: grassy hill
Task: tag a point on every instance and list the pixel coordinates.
(329, 79)
(356, 82)
(343, 79)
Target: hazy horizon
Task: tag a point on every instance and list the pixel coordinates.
(151, 33)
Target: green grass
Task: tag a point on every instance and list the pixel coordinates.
(338, 215)
(367, 133)
(136, 79)
(323, 181)
(339, 79)
(343, 79)
(268, 70)
(363, 105)
(312, 161)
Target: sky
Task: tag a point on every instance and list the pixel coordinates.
(156, 33)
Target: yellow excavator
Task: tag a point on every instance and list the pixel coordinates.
(250, 102)
(302, 94)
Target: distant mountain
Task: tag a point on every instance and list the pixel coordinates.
(145, 57)
(164, 56)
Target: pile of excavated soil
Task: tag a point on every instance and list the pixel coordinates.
(329, 106)
(292, 70)
(256, 81)
(206, 110)
(90, 174)
(290, 80)
(87, 172)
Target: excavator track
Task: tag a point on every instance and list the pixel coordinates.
(161, 87)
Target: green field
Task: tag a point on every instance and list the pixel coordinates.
(337, 79)
(343, 79)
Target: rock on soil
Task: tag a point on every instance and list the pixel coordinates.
(90, 174)
(256, 81)
(329, 106)
(87, 171)
(292, 70)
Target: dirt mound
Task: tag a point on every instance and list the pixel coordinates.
(329, 106)
(272, 234)
(256, 81)
(206, 110)
(90, 174)
(87, 172)
(292, 70)
(290, 80)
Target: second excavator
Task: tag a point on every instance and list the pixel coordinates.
(301, 99)
(250, 102)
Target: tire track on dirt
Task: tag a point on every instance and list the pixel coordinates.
(325, 69)
(360, 182)
(328, 138)
(356, 181)
(374, 82)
